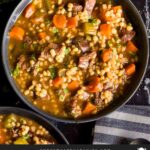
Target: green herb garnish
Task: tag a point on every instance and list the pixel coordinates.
(67, 51)
(66, 90)
(55, 30)
(33, 57)
(61, 97)
(92, 20)
(132, 54)
(53, 72)
(16, 71)
(26, 137)
(25, 45)
(47, 22)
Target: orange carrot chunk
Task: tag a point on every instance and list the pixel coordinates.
(131, 47)
(72, 22)
(105, 29)
(106, 55)
(74, 85)
(59, 21)
(42, 35)
(57, 82)
(130, 69)
(17, 33)
(29, 11)
(94, 85)
(89, 108)
(2, 137)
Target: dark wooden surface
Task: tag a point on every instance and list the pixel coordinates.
(77, 134)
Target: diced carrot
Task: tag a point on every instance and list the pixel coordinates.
(89, 108)
(59, 21)
(116, 8)
(72, 22)
(106, 55)
(130, 69)
(57, 82)
(2, 137)
(29, 11)
(131, 46)
(17, 33)
(105, 29)
(42, 35)
(74, 85)
(94, 85)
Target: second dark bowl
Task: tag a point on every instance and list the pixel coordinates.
(142, 42)
(58, 136)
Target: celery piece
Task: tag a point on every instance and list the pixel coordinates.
(89, 28)
(21, 141)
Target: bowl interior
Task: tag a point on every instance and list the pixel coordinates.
(40, 120)
(142, 42)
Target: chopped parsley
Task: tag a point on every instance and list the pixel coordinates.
(47, 22)
(26, 137)
(132, 54)
(92, 20)
(66, 90)
(33, 57)
(16, 71)
(61, 97)
(55, 30)
(67, 51)
(53, 72)
(25, 45)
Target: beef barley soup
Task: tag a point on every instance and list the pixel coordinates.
(18, 130)
(72, 58)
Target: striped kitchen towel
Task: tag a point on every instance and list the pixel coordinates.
(123, 125)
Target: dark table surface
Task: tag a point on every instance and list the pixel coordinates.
(75, 133)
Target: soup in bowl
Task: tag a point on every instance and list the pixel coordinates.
(72, 59)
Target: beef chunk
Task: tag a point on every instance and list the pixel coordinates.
(126, 35)
(77, 8)
(84, 45)
(89, 6)
(84, 60)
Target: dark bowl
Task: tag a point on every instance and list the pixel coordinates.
(142, 42)
(58, 136)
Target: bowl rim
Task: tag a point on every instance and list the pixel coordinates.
(51, 116)
(16, 110)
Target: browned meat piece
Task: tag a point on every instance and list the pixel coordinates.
(73, 108)
(84, 61)
(98, 100)
(108, 86)
(28, 40)
(77, 8)
(84, 45)
(23, 62)
(85, 95)
(53, 46)
(89, 6)
(45, 53)
(126, 35)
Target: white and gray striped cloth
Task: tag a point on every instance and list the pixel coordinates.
(127, 123)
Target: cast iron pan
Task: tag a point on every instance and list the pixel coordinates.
(142, 43)
(58, 136)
